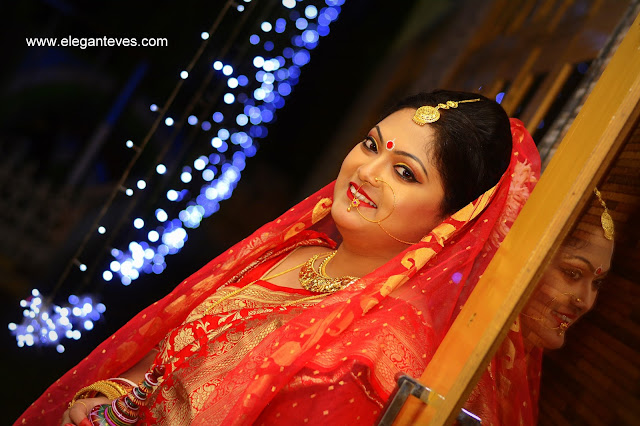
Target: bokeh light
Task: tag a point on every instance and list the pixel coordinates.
(257, 87)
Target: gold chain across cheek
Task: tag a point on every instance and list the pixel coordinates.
(356, 203)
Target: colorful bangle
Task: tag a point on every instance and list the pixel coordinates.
(109, 388)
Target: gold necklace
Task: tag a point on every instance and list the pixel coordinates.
(320, 282)
(312, 281)
(233, 293)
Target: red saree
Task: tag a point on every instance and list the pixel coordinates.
(334, 361)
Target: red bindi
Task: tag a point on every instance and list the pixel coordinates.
(391, 144)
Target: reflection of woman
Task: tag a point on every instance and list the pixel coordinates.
(263, 334)
(566, 291)
(568, 288)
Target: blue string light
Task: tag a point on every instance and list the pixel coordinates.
(48, 324)
(276, 74)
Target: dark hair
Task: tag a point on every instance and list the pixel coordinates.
(473, 144)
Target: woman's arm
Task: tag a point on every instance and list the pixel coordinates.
(78, 412)
(137, 372)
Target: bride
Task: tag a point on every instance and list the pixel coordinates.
(310, 319)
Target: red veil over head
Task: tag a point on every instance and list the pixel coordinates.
(338, 359)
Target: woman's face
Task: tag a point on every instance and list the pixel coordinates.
(567, 289)
(406, 165)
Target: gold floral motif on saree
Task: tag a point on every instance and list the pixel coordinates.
(393, 346)
(321, 209)
(183, 338)
(227, 335)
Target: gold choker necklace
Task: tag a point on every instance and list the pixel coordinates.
(319, 281)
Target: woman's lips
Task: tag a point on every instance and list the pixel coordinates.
(361, 197)
(563, 317)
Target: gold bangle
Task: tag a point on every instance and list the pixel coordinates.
(107, 388)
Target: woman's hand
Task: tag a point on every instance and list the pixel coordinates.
(77, 414)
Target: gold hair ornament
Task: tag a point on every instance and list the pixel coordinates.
(605, 218)
(428, 114)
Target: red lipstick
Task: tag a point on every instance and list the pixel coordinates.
(360, 191)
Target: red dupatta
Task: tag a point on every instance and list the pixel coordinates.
(390, 320)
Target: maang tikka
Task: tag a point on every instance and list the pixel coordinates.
(428, 114)
(606, 220)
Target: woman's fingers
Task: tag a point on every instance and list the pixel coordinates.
(79, 411)
(66, 420)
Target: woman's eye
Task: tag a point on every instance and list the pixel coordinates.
(370, 144)
(573, 274)
(405, 173)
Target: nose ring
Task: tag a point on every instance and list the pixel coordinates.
(562, 328)
(355, 202)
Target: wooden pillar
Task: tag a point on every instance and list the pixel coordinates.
(589, 147)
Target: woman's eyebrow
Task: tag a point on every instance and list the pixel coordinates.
(587, 263)
(405, 153)
(379, 133)
(416, 159)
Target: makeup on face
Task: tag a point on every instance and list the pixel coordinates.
(388, 177)
(567, 289)
(391, 145)
(359, 198)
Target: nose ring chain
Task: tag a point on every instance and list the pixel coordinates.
(562, 328)
(356, 203)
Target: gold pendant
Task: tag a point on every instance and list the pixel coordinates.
(318, 282)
